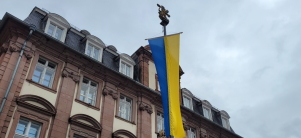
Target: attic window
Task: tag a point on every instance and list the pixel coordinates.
(56, 29)
(125, 69)
(207, 113)
(126, 65)
(225, 123)
(94, 52)
(187, 102)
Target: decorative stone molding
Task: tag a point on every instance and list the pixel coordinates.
(187, 92)
(144, 106)
(127, 58)
(80, 131)
(206, 103)
(71, 74)
(203, 133)
(46, 107)
(4, 48)
(13, 48)
(90, 123)
(110, 92)
(59, 19)
(224, 114)
(28, 54)
(121, 132)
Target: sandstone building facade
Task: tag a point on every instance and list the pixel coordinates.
(69, 84)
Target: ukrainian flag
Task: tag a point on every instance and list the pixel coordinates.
(165, 52)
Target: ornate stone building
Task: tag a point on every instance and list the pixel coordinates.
(69, 84)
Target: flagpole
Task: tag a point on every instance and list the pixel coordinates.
(163, 14)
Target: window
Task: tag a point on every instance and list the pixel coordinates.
(125, 108)
(93, 52)
(160, 122)
(207, 113)
(44, 72)
(55, 31)
(88, 91)
(77, 136)
(125, 69)
(191, 133)
(187, 102)
(27, 129)
(225, 122)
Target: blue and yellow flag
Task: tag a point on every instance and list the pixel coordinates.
(166, 52)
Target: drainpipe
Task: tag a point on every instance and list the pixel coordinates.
(32, 29)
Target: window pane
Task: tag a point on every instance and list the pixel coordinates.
(58, 33)
(42, 61)
(21, 127)
(51, 65)
(82, 98)
(96, 53)
(89, 50)
(48, 78)
(187, 102)
(224, 123)
(206, 113)
(128, 69)
(51, 29)
(122, 68)
(34, 129)
(84, 89)
(37, 74)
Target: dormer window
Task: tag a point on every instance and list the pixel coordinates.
(55, 31)
(126, 65)
(56, 26)
(187, 98)
(225, 122)
(94, 47)
(207, 109)
(207, 113)
(187, 102)
(94, 52)
(125, 69)
(225, 119)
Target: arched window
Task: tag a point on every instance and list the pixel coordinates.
(82, 125)
(33, 113)
(121, 133)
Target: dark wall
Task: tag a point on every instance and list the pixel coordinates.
(35, 18)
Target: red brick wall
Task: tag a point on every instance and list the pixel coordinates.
(64, 102)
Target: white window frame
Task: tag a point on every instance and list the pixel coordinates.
(209, 113)
(86, 93)
(227, 126)
(123, 103)
(190, 133)
(64, 33)
(160, 121)
(45, 68)
(127, 60)
(28, 128)
(90, 43)
(124, 71)
(190, 101)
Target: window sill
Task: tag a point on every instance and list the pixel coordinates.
(125, 120)
(41, 86)
(86, 104)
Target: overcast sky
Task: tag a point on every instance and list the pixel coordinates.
(242, 56)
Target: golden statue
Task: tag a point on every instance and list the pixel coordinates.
(161, 134)
(163, 14)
